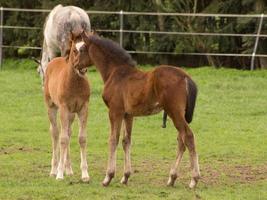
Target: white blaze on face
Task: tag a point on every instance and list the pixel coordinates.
(79, 45)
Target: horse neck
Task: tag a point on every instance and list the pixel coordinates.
(101, 62)
(71, 75)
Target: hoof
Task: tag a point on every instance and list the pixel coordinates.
(193, 182)
(59, 176)
(172, 180)
(53, 174)
(106, 181)
(69, 172)
(86, 179)
(124, 180)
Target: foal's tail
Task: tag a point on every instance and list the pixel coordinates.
(190, 104)
(191, 99)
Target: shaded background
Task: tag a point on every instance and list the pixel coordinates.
(153, 42)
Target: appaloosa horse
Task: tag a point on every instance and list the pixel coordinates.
(60, 23)
(66, 88)
(129, 92)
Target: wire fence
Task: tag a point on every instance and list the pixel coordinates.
(121, 31)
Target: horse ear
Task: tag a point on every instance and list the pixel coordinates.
(84, 34)
(93, 32)
(85, 37)
(67, 55)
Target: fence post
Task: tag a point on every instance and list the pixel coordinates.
(121, 28)
(1, 35)
(256, 43)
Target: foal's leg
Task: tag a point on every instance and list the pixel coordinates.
(115, 122)
(68, 168)
(190, 144)
(82, 115)
(126, 144)
(179, 124)
(185, 139)
(52, 115)
(64, 139)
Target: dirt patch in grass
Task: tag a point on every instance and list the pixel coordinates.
(17, 149)
(219, 173)
(247, 173)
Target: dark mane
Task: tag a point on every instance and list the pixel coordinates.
(113, 51)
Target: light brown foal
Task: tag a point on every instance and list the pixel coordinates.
(66, 88)
(129, 92)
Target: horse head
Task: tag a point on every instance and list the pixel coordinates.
(78, 55)
(86, 37)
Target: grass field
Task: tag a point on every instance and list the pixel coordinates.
(229, 125)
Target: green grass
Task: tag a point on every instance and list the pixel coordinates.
(229, 125)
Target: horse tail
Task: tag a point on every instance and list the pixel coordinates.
(191, 99)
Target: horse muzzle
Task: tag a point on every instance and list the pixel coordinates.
(81, 72)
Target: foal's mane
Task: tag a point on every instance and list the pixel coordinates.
(113, 51)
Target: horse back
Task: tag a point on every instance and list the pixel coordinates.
(65, 20)
(167, 76)
(170, 84)
(60, 23)
(134, 92)
(175, 89)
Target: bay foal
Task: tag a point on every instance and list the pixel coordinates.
(66, 88)
(129, 92)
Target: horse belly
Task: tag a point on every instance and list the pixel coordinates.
(144, 110)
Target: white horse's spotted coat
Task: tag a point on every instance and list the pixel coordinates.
(61, 22)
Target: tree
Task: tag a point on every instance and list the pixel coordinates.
(153, 42)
